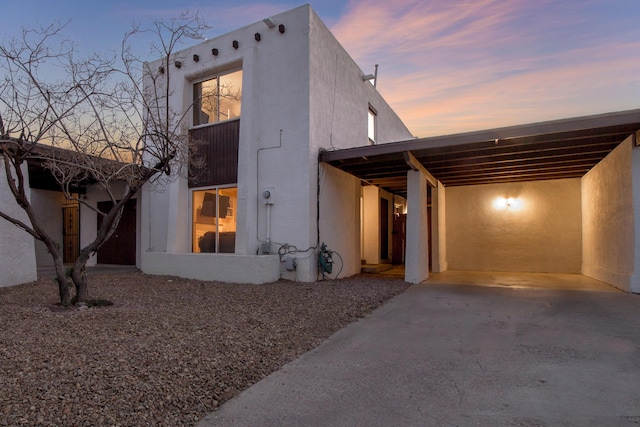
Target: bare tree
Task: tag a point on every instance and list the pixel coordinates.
(89, 121)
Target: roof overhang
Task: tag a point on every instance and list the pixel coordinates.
(558, 149)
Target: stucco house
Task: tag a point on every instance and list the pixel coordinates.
(300, 150)
(263, 101)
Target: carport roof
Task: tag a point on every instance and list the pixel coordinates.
(566, 148)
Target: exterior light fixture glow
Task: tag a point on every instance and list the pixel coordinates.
(507, 203)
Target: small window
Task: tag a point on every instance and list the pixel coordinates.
(371, 125)
(217, 99)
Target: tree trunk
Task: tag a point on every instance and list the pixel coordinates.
(63, 284)
(79, 277)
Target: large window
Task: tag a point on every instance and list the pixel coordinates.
(214, 220)
(217, 99)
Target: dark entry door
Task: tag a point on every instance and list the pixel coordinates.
(384, 229)
(121, 247)
(70, 233)
(399, 233)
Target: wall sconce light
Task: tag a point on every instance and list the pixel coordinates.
(269, 22)
(257, 37)
(178, 64)
(196, 58)
(281, 28)
(214, 51)
(511, 203)
(235, 44)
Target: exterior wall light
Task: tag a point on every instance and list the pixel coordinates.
(235, 44)
(214, 51)
(503, 203)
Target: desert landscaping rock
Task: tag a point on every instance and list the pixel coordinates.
(169, 350)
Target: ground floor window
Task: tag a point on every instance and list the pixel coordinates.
(214, 220)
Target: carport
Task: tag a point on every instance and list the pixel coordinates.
(558, 196)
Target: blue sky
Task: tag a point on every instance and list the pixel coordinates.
(444, 66)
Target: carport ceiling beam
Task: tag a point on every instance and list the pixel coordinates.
(415, 165)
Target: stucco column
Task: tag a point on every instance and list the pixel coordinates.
(438, 229)
(417, 251)
(634, 286)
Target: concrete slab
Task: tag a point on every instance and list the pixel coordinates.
(450, 354)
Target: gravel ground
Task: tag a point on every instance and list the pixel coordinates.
(168, 352)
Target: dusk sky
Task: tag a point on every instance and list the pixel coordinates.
(445, 66)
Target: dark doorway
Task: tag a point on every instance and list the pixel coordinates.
(120, 249)
(398, 239)
(384, 229)
(70, 233)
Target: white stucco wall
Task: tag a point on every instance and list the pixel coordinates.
(48, 206)
(608, 219)
(17, 251)
(340, 99)
(543, 234)
(438, 229)
(371, 224)
(340, 218)
(301, 92)
(417, 257)
(231, 268)
(635, 183)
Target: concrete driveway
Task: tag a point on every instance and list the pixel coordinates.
(496, 350)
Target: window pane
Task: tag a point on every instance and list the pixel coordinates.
(230, 95)
(217, 99)
(372, 126)
(214, 220)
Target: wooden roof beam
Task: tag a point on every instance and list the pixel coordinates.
(415, 165)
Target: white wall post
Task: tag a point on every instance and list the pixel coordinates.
(634, 286)
(417, 252)
(438, 229)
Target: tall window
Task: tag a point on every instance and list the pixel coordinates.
(214, 220)
(371, 125)
(217, 99)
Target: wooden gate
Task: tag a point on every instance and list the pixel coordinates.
(70, 233)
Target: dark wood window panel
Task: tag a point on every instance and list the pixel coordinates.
(217, 145)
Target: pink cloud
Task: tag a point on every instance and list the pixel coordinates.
(448, 67)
